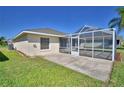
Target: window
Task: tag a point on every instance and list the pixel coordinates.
(44, 43)
(63, 42)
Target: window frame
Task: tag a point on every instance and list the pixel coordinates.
(43, 41)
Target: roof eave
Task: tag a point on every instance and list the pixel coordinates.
(37, 33)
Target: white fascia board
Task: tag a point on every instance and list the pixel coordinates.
(18, 34)
(30, 32)
(37, 33)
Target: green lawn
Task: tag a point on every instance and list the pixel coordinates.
(117, 78)
(17, 70)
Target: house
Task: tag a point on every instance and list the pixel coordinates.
(119, 41)
(35, 42)
(87, 41)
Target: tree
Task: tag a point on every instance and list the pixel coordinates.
(2, 38)
(3, 41)
(118, 21)
(121, 13)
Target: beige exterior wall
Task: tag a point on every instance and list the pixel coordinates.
(21, 44)
(31, 45)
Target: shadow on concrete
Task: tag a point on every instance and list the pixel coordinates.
(3, 57)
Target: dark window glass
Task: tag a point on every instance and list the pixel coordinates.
(63, 42)
(44, 43)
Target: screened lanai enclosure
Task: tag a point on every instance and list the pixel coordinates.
(90, 42)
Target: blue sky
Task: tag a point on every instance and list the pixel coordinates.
(65, 19)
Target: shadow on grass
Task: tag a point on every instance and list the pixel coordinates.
(3, 57)
(121, 48)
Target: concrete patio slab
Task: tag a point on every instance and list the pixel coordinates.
(97, 68)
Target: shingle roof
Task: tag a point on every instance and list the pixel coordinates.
(46, 30)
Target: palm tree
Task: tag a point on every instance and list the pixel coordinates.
(118, 21)
(121, 13)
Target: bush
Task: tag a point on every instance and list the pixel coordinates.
(3, 43)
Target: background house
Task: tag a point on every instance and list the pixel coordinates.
(119, 41)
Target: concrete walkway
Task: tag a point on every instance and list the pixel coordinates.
(97, 68)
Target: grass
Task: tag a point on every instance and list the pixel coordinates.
(117, 78)
(22, 71)
(17, 70)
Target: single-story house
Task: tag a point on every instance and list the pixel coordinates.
(87, 41)
(35, 42)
